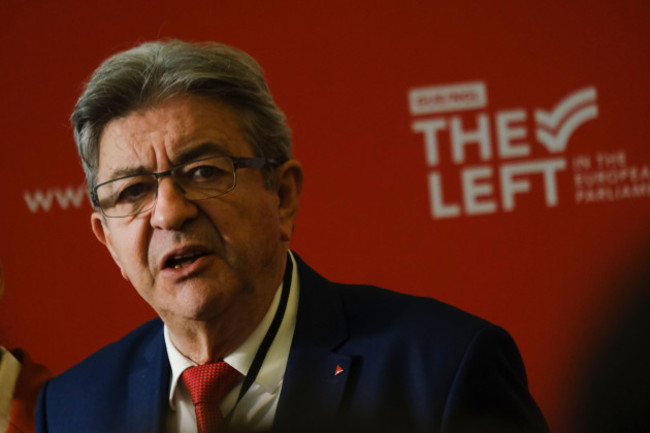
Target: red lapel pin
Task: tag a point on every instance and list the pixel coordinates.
(338, 370)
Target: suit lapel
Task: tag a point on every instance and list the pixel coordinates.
(148, 388)
(316, 376)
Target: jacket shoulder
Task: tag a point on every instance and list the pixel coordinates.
(109, 367)
(370, 307)
(120, 352)
(121, 387)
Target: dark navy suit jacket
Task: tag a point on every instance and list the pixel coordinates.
(408, 364)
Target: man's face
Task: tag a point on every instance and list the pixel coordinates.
(197, 260)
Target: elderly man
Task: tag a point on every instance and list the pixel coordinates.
(195, 194)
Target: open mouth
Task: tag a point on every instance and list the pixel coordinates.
(180, 260)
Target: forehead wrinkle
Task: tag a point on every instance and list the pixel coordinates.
(133, 156)
(158, 138)
(193, 140)
(194, 126)
(134, 139)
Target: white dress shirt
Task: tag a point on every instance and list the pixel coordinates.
(9, 372)
(257, 409)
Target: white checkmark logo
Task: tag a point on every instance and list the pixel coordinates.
(555, 127)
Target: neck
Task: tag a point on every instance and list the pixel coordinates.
(207, 344)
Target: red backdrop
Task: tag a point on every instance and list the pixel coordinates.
(489, 154)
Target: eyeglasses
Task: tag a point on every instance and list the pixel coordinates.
(197, 180)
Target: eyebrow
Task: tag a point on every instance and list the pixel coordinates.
(204, 149)
(126, 171)
(188, 155)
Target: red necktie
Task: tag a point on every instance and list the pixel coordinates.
(208, 384)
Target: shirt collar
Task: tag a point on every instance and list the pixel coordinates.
(272, 370)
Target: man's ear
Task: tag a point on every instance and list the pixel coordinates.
(102, 233)
(288, 185)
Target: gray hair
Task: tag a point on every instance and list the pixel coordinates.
(155, 71)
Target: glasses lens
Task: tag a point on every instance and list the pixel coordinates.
(197, 180)
(127, 196)
(206, 178)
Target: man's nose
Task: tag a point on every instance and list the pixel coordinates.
(172, 209)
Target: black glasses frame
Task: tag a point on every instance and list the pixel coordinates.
(237, 162)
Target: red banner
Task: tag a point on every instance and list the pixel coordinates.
(489, 154)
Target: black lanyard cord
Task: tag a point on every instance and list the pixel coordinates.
(268, 338)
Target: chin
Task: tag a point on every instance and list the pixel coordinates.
(200, 306)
